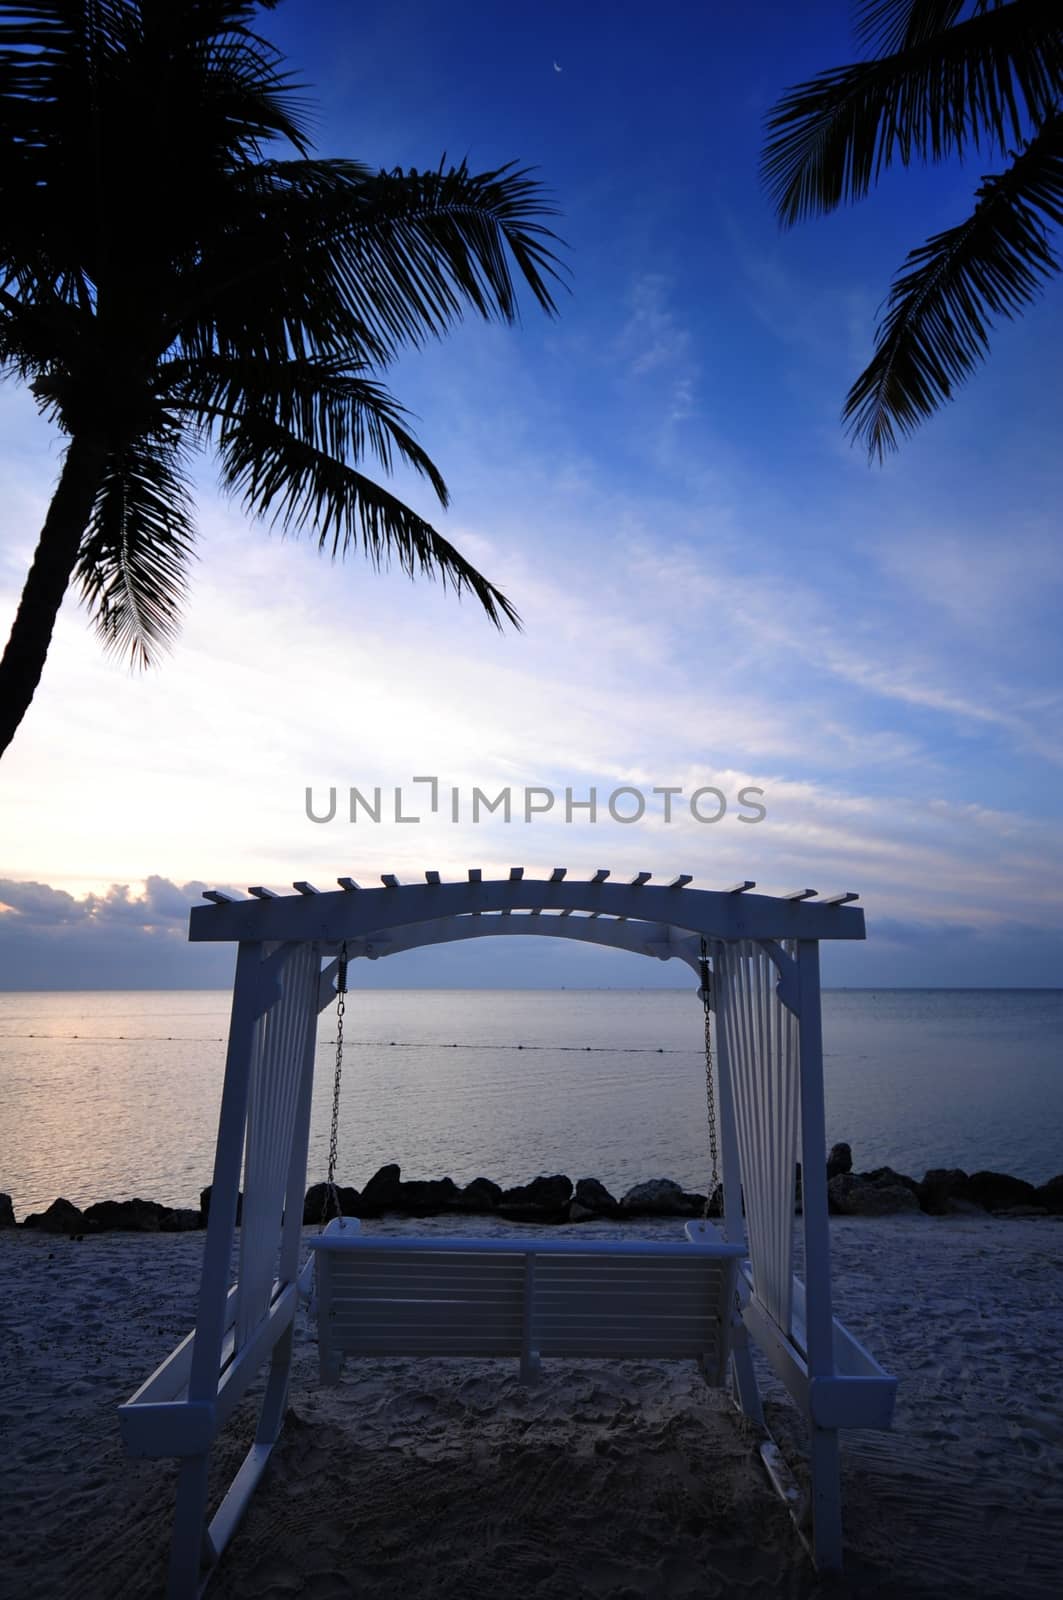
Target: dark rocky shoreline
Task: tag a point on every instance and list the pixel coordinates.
(943, 1191)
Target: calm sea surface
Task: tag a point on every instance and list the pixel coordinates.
(107, 1095)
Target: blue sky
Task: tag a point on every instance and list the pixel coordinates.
(716, 588)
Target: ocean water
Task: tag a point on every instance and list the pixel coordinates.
(105, 1095)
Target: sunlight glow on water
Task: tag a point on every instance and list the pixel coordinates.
(106, 1095)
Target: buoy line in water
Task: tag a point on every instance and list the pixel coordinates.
(389, 1044)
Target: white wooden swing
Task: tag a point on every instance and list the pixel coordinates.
(696, 1297)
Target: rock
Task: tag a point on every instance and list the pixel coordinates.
(542, 1200)
(426, 1197)
(61, 1217)
(853, 1195)
(839, 1161)
(181, 1220)
(204, 1205)
(1049, 1195)
(889, 1176)
(126, 1216)
(1022, 1211)
(941, 1189)
(996, 1191)
(316, 1202)
(7, 1212)
(593, 1197)
(659, 1197)
(381, 1193)
(578, 1213)
(480, 1195)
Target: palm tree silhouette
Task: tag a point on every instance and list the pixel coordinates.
(945, 78)
(178, 271)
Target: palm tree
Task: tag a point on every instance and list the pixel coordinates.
(178, 271)
(944, 78)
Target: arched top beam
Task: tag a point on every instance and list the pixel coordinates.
(351, 914)
(652, 939)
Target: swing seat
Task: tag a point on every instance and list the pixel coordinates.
(402, 1296)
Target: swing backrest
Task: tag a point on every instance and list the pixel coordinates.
(380, 1295)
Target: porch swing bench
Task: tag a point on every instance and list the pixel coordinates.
(533, 1298)
(607, 1298)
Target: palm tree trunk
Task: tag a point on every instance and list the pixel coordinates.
(53, 562)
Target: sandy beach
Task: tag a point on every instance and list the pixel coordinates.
(449, 1479)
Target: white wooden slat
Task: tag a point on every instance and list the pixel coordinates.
(838, 899)
(272, 1103)
(558, 874)
(696, 1334)
(260, 892)
(353, 1243)
(303, 887)
(389, 880)
(441, 1317)
(740, 888)
(476, 874)
(348, 885)
(410, 1345)
(386, 1271)
(640, 878)
(220, 897)
(686, 1299)
(800, 894)
(629, 1305)
(431, 876)
(383, 1268)
(681, 882)
(761, 1047)
(516, 874)
(666, 1271)
(423, 1294)
(601, 875)
(437, 1264)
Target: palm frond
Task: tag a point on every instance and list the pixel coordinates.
(320, 402)
(292, 484)
(943, 303)
(133, 566)
(884, 27)
(336, 258)
(990, 79)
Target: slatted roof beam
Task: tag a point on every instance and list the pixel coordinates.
(431, 877)
(336, 914)
(305, 888)
(740, 888)
(558, 874)
(681, 882)
(263, 894)
(348, 885)
(800, 894)
(389, 880)
(640, 878)
(601, 875)
(838, 899)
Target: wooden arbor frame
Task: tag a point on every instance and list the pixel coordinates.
(764, 953)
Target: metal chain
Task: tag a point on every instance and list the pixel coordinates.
(332, 1200)
(710, 1086)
